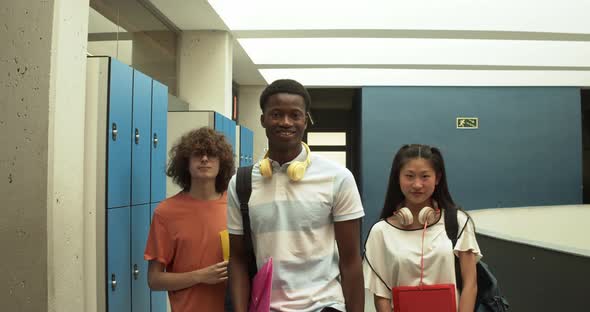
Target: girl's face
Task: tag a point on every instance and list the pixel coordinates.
(417, 180)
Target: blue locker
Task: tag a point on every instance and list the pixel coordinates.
(250, 147)
(141, 141)
(232, 135)
(158, 146)
(118, 134)
(219, 124)
(246, 146)
(159, 302)
(140, 227)
(118, 260)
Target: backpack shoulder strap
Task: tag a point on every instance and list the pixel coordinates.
(452, 225)
(244, 190)
(244, 186)
(452, 229)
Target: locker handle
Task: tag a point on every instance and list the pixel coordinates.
(136, 136)
(113, 282)
(135, 271)
(155, 140)
(114, 131)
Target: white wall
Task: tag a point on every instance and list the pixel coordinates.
(562, 228)
(65, 156)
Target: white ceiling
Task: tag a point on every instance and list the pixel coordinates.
(391, 42)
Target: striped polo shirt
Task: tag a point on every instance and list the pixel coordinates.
(293, 222)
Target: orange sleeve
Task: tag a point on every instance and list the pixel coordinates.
(160, 245)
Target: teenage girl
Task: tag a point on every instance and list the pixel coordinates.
(418, 193)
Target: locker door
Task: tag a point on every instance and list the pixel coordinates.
(232, 135)
(246, 146)
(159, 298)
(140, 226)
(118, 134)
(158, 145)
(243, 147)
(140, 166)
(250, 147)
(118, 260)
(219, 124)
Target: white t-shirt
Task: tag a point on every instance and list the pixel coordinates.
(394, 254)
(293, 222)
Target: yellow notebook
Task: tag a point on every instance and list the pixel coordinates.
(225, 244)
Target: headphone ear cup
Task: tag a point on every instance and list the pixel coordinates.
(265, 168)
(296, 170)
(427, 214)
(405, 216)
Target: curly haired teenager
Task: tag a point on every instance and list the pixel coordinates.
(183, 247)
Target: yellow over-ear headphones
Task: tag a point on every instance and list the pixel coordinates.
(295, 171)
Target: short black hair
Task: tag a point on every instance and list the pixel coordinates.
(285, 86)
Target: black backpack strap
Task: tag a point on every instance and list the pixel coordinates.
(244, 190)
(367, 259)
(452, 229)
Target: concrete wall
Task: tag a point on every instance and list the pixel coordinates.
(154, 54)
(41, 117)
(249, 116)
(204, 68)
(65, 157)
(24, 59)
(121, 50)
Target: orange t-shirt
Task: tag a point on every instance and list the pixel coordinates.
(184, 236)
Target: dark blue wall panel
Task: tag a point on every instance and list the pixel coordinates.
(527, 150)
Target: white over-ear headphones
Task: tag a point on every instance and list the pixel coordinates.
(295, 171)
(426, 214)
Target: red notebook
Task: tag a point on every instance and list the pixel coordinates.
(425, 298)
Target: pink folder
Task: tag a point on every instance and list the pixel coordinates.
(260, 289)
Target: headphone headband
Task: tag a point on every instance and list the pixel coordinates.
(296, 169)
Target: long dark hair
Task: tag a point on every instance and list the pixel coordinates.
(394, 196)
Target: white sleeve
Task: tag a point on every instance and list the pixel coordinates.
(466, 240)
(347, 201)
(234, 216)
(375, 269)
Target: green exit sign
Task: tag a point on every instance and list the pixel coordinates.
(467, 122)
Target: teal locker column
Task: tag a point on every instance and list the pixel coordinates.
(231, 135)
(119, 135)
(142, 139)
(227, 127)
(246, 146)
(158, 298)
(118, 259)
(159, 126)
(219, 123)
(140, 226)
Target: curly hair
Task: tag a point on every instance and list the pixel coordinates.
(285, 86)
(201, 141)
